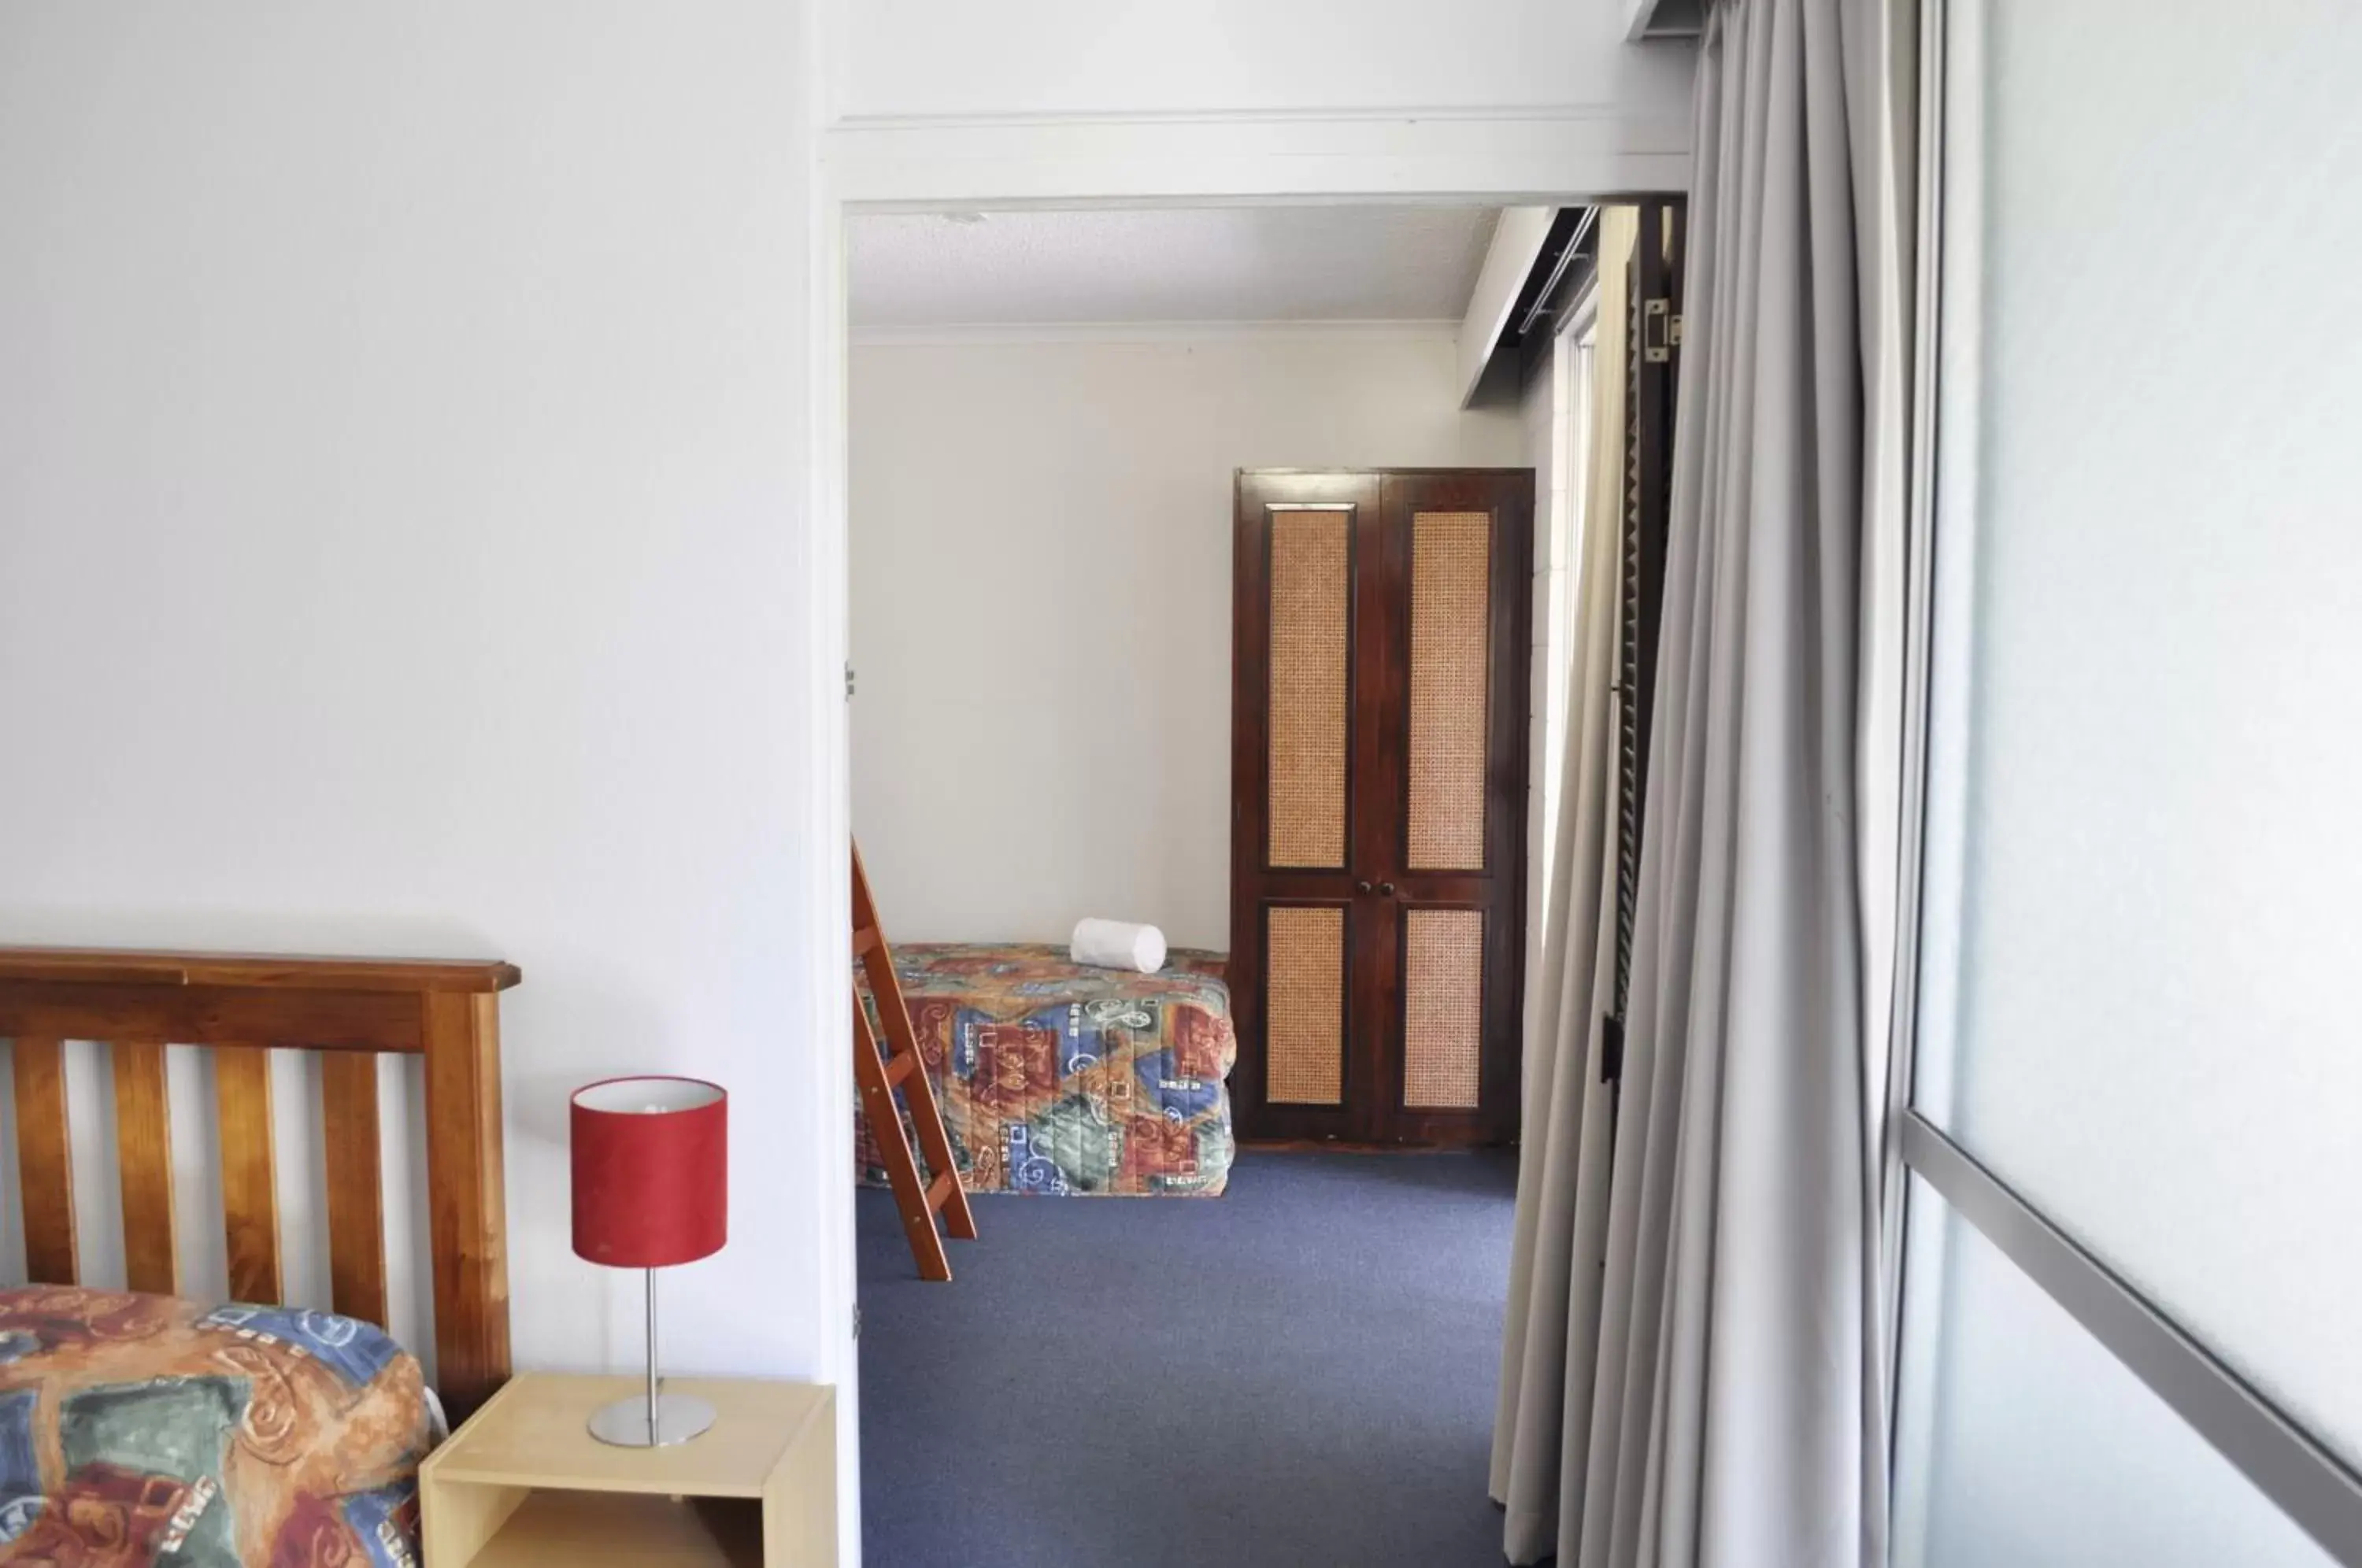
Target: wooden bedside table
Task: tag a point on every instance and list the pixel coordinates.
(524, 1482)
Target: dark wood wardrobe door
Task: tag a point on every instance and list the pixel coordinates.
(1382, 627)
(1452, 711)
(1306, 622)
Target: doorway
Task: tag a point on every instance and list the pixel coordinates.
(1322, 1336)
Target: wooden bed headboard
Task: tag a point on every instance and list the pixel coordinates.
(245, 1006)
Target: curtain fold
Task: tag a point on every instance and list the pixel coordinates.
(1561, 1230)
(1722, 1404)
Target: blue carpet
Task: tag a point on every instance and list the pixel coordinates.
(1299, 1374)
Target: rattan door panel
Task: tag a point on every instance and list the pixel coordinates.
(1310, 551)
(1418, 892)
(1305, 976)
(1443, 1009)
(1451, 616)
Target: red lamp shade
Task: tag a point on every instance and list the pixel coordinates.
(651, 1171)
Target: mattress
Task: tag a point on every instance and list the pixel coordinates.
(1056, 1079)
(143, 1430)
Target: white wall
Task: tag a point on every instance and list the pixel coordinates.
(1042, 602)
(933, 100)
(904, 58)
(406, 473)
(402, 545)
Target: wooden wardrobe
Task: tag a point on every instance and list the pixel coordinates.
(1378, 731)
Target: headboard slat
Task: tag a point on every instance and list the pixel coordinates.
(468, 1209)
(45, 1163)
(143, 1142)
(356, 1196)
(249, 1165)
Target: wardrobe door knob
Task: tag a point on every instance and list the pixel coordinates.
(1387, 888)
(1361, 887)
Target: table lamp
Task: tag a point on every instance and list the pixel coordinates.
(651, 1189)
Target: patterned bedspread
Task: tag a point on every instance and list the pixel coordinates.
(141, 1429)
(1059, 1080)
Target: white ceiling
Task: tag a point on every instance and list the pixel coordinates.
(1228, 264)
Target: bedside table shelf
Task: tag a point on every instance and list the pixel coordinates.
(524, 1484)
(597, 1528)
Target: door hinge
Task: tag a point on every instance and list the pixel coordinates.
(1661, 331)
(1611, 1049)
(848, 680)
(857, 1320)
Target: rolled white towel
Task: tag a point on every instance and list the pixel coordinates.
(1119, 945)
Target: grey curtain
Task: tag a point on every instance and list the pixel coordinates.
(1561, 1219)
(1726, 1407)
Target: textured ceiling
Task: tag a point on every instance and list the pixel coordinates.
(1190, 264)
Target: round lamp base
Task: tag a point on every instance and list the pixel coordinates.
(624, 1423)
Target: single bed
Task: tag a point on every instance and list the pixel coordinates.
(139, 1427)
(1057, 1079)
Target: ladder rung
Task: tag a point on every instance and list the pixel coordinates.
(900, 1068)
(864, 939)
(940, 1190)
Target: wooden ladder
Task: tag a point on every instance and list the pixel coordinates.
(900, 1067)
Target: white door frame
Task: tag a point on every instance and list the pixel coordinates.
(977, 164)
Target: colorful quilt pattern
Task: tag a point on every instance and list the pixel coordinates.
(1056, 1079)
(139, 1430)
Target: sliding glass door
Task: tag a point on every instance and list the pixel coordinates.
(2135, 1250)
